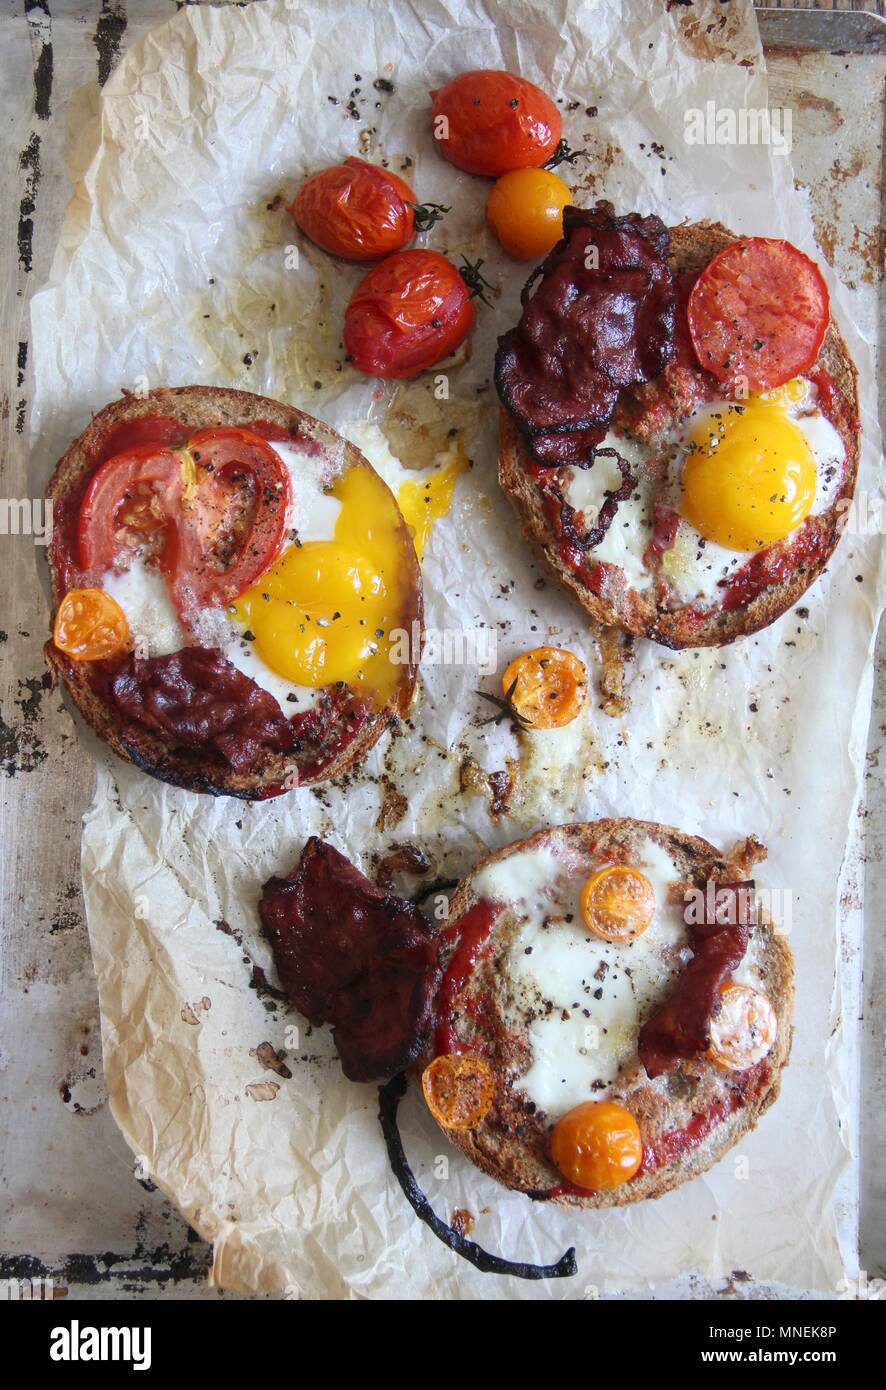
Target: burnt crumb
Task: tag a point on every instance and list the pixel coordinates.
(462, 1222)
(272, 1060)
(259, 982)
(501, 788)
(227, 930)
(393, 806)
(404, 858)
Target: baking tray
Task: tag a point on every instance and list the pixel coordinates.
(71, 1206)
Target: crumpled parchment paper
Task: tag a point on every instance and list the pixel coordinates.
(175, 265)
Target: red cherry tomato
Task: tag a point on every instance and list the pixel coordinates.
(758, 313)
(489, 122)
(356, 210)
(214, 514)
(408, 313)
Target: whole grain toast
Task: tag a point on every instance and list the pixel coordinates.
(511, 1145)
(691, 247)
(201, 407)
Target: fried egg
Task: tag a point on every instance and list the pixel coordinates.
(741, 475)
(577, 1000)
(324, 609)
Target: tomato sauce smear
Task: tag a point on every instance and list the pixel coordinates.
(471, 932)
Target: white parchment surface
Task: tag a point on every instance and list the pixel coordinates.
(176, 266)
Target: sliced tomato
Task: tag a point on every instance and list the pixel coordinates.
(758, 313)
(409, 312)
(129, 502)
(214, 514)
(236, 514)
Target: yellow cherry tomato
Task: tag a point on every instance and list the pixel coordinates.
(617, 903)
(525, 210)
(597, 1145)
(90, 625)
(551, 686)
(459, 1089)
(743, 1028)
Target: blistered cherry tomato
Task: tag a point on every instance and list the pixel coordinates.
(525, 210)
(408, 313)
(489, 122)
(617, 903)
(356, 210)
(551, 687)
(597, 1145)
(90, 626)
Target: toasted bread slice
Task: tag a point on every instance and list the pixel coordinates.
(637, 612)
(512, 1143)
(201, 407)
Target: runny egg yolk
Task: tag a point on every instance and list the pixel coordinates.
(749, 478)
(425, 500)
(325, 610)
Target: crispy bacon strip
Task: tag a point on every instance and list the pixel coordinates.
(198, 699)
(353, 955)
(601, 318)
(681, 1027)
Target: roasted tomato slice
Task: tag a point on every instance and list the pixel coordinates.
(90, 626)
(548, 687)
(356, 210)
(128, 504)
(459, 1090)
(213, 514)
(758, 313)
(236, 513)
(618, 903)
(407, 314)
(489, 122)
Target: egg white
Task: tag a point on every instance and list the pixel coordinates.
(555, 967)
(372, 443)
(695, 567)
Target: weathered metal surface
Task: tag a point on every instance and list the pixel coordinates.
(71, 1207)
